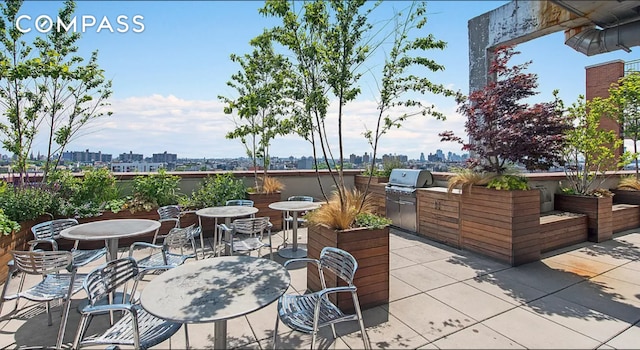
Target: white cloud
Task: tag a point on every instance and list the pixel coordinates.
(197, 128)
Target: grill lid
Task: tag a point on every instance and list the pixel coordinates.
(410, 178)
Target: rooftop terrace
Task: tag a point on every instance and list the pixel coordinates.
(584, 296)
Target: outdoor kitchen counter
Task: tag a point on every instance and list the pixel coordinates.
(439, 214)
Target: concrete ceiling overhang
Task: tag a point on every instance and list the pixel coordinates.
(613, 25)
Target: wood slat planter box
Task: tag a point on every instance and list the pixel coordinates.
(16, 241)
(371, 250)
(502, 224)
(626, 197)
(262, 201)
(562, 229)
(625, 217)
(377, 194)
(439, 215)
(598, 210)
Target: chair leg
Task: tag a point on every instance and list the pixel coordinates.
(48, 308)
(275, 332)
(365, 338)
(333, 329)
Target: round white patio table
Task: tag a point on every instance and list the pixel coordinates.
(110, 231)
(215, 290)
(295, 207)
(227, 212)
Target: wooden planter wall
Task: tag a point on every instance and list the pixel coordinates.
(376, 194)
(626, 197)
(501, 224)
(439, 215)
(625, 217)
(262, 201)
(371, 250)
(598, 210)
(561, 229)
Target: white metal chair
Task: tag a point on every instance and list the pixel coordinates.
(243, 202)
(49, 231)
(172, 251)
(173, 213)
(136, 327)
(253, 230)
(54, 284)
(309, 312)
(287, 219)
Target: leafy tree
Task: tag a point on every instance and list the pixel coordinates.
(502, 129)
(625, 102)
(589, 149)
(20, 99)
(332, 44)
(261, 85)
(74, 92)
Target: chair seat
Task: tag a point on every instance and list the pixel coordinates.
(83, 257)
(153, 331)
(52, 287)
(248, 244)
(156, 260)
(296, 311)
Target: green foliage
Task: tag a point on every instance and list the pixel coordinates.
(625, 107)
(157, 189)
(589, 151)
(509, 183)
(26, 203)
(217, 190)
(7, 226)
(371, 221)
(82, 196)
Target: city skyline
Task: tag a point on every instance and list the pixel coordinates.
(166, 78)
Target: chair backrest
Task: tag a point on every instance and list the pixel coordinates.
(169, 212)
(240, 202)
(251, 225)
(340, 262)
(108, 277)
(301, 198)
(41, 262)
(51, 229)
(179, 237)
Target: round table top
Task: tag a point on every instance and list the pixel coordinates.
(110, 229)
(215, 289)
(228, 211)
(294, 205)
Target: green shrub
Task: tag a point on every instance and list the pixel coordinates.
(217, 190)
(26, 203)
(372, 221)
(7, 225)
(156, 189)
(82, 196)
(509, 183)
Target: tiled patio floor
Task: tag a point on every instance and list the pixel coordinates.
(587, 296)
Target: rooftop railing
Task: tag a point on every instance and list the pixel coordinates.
(631, 66)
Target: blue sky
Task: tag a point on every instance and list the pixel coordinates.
(166, 79)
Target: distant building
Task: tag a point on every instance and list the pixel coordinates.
(422, 159)
(305, 163)
(130, 157)
(86, 157)
(135, 167)
(164, 157)
(366, 158)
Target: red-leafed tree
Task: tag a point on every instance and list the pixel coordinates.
(503, 129)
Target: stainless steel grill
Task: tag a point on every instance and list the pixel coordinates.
(401, 196)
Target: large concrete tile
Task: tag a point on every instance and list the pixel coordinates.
(628, 339)
(397, 261)
(581, 319)
(505, 289)
(535, 332)
(429, 317)
(539, 276)
(298, 340)
(611, 252)
(578, 265)
(384, 331)
(624, 274)
(458, 296)
(399, 289)
(422, 253)
(462, 267)
(263, 321)
(398, 242)
(610, 296)
(476, 336)
(422, 277)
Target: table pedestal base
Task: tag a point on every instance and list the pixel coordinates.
(289, 253)
(220, 334)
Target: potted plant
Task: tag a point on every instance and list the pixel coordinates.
(500, 216)
(590, 157)
(329, 43)
(261, 102)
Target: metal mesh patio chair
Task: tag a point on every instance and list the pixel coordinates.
(54, 284)
(173, 213)
(171, 252)
(252, 231)
(309, 312)
(243, 202)
(49, 231)
(136, 327)
(287, 219)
